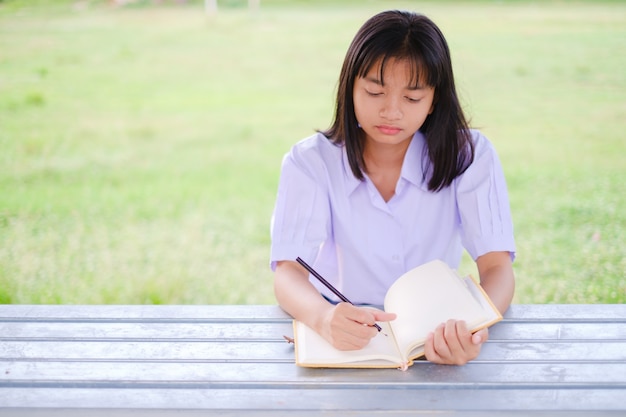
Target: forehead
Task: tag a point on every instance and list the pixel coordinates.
(410, 71)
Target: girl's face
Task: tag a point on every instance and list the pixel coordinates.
(393, 112)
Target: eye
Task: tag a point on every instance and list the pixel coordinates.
(413, 100)
(372, 93)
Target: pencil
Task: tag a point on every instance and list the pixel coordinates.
(329, 286)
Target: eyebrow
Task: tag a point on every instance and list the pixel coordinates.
(408, 87)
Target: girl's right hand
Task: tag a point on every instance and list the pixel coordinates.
(348, 327)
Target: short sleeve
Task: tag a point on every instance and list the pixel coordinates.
(483, 204)
(301, 217)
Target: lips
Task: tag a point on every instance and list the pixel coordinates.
(388, 130)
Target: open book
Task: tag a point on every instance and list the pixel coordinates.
(422, 298)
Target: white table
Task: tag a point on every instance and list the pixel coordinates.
(231, 360)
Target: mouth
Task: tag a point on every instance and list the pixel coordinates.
(388, 130)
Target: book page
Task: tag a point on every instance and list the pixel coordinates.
(313, 350)
(425, 297)
(476, 290)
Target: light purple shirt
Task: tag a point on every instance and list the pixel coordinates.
(361, 244)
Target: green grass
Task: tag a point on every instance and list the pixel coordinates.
(141, 146)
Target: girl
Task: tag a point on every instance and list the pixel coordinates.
(397, 180)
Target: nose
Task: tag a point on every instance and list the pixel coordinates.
(391, 109)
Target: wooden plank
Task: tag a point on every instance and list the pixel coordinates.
(73, 412)
(148, 351)
(286, 401)
(596, 330)
(279, 351)
(211, 330)
(276, 375)
(517, 312)
(145, 330)
(92, 412)
(134, 313)
(567, 312)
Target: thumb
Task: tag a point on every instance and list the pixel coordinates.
(480, 337)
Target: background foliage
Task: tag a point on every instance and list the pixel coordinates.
(141, 143)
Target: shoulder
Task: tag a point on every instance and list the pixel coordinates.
(481, 143)
(484, 150)
(316, 144)
(485, 164)
(313, 154)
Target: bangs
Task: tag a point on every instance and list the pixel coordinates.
(419, 76)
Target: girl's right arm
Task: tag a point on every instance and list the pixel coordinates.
(345, 326)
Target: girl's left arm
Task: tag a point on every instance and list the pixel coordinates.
(497, 278)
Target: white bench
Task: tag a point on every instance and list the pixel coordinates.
(231, 360)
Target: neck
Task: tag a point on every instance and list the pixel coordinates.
(380, 157)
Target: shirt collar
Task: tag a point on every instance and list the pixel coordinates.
(415, 160)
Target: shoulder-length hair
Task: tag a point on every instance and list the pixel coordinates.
(403, 35)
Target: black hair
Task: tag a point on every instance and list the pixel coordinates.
(406, 35)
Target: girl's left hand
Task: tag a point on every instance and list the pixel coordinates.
(452, 343)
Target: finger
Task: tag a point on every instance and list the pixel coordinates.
(437, 350)
(348, 313)
(356, 314)
(383, 316)
(429, 349)
(367, 316)
(451, 335)
(440, 343)
(480, 337)
(359, 323)
(471, 343)
(464, 336)
(344, 332)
